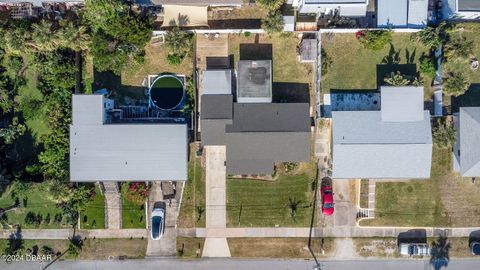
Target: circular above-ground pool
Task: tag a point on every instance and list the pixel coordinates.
(167, 92)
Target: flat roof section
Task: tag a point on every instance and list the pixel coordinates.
(468, 5)
(254, 81)
(392, 13)
(217, 82)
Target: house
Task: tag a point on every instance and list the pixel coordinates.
(256, 132)
(212, 3)
(402, 13)
(460, 9)
(391, 143)
(104, 149)
(347, 8)
(466, 151)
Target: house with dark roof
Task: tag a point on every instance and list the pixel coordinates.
(102, 149)
(460, 9)
(392, 143)
(466, 150)
(256, 132)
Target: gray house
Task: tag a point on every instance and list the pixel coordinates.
(402, 13)
(256, 132)
(104, 150)
(393, 143)
(466, 151)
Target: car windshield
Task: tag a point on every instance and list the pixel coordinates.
(156, 226)
(328, 205)
(328, 191)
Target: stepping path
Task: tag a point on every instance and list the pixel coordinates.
(216, 214)
(113, 206)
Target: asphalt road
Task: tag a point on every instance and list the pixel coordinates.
(232, 264)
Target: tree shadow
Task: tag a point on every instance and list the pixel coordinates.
(474, 237)
(254, 51)
(288, 92)
(410, 57)
(439, 252)
(393, 56)
(113, 83)
(471, 98)
(15, 242)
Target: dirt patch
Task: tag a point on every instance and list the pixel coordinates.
(279, 247)
(376, 247)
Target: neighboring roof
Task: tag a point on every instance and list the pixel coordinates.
(87, 109)
(470, 141)
(402, 103)
(191, 2)
(468, 5)
(217, 82)
(270, 117)
(353, 11)
(417, 13)
(334, 1)
(135, 152)
(216, 107)
(177, 15)
(392, 13)
(366, 147)
(254, 81)
(308, 50)
(38, 3)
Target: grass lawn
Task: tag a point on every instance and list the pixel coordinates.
(94, 216)
(364, 193)
(356, 68)
(279, 247)
(261, 203)
(38, 202)
(443, 200)
(193, 194)
(188, 248)
(91, 249)
(133, 214)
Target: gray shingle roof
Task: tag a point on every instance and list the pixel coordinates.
(216, 107)
(402, 104)
(366, 147)
(470, 141)
(254, 81)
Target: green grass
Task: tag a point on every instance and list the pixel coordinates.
(259, 203)
(193, 194)
(94, 216)
(279, 247)
(189, 248)
(356, 68)
(39, 202)
(92, 248)
(133, 214)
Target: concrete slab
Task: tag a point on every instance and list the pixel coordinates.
(216, 247)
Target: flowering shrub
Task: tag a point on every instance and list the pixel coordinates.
(374, 39)
(137, 192)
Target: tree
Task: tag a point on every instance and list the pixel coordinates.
(455, 84)
(119, 34)
(43, 37)
(270, 5)
(432, 37)
(459, 47)
(73, 37)
(273, 22)
(75, 246)
(396, 79)
(443, 134)
(179, 45)
(427, 66)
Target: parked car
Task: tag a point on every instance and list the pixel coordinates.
(327, 200)
(475, 248)
(158, 220)
(414, 249)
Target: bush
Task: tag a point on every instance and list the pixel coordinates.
(174, 59)
(290, 166)
(326, 62)
(455, 84)
(137, 192)
(374, 39)
(179, 44)
(270, 5)
(443, 134)
(273, 22)
(427, 66)
(247, 33)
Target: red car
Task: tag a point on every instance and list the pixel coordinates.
(327, 200)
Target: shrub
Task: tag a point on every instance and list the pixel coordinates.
(459, 47)
(290, 166)
(374, 39)
(270, 5)
(326, 62)
(427, 66)
(179, 45)
(46, 250)
(247, 33)
(443, 134)
(273, 22)
(455, 84)
(174, 59)
(137, 192)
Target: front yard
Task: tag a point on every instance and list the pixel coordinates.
(133, 212)
(355, 68)
(94, 215)
(280, 247)
(443, 200)
(265, 203)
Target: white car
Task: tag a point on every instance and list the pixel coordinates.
(158, 220)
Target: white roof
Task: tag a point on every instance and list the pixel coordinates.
(87, 109)
(417, 13)
(217, 82)
(392, 13)
(402, 103)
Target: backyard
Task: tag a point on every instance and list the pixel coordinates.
(443, 200)
(37, 203)
(94, 215)
(286, 201)
(354, 67)
(133, 212)
(192, 211)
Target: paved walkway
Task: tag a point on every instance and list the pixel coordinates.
(216, 212)
(113, 206)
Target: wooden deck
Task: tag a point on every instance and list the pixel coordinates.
(212, 51)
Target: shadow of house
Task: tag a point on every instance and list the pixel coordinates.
(255, 51)
(214, 62)
(384, 70)
(287, 92)
(235, 24)
(471, 98)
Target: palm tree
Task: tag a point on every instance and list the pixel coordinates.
(273, 22)
(43, 37)
(396, 79)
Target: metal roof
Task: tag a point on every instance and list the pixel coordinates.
(468, 5)
(402, 103)
(308, 50)
(417, 13)
(87, 109)
(392, 13)
(366, 147)
(217, 82)
(469, 141)
(254, 81)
